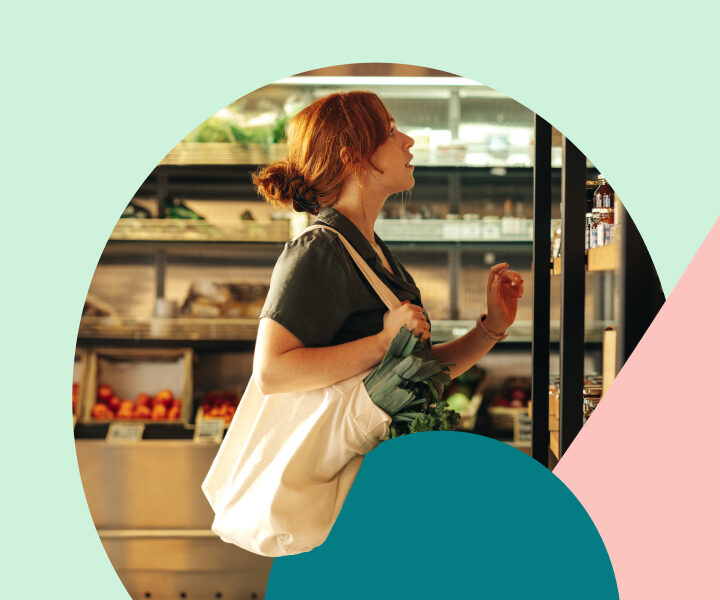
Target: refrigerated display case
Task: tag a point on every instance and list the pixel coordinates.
(612, 290)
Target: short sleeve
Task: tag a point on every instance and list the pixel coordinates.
(309, 293)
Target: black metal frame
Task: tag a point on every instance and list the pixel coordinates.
(540, 350)
(572, 321)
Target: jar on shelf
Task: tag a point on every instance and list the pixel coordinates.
(591, 398)
(604, 219)
(589, 226)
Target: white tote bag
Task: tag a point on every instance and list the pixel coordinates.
(288, 461)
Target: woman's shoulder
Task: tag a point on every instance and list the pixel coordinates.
(314, 254)
(313, 243)
(323, 235)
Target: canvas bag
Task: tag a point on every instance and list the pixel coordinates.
(287, 462)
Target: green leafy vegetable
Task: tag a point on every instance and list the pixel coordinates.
(409, 377)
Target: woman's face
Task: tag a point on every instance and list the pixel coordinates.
(393, 158)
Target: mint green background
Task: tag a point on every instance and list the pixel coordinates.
(95, 95)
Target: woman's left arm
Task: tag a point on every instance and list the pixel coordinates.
(504, 289)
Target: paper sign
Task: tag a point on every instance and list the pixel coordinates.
(125, 432)
(523, 427)
(209, 430)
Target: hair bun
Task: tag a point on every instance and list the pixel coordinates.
(304, 198)
(282, 185)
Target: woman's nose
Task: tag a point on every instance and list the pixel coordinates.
(409, 142)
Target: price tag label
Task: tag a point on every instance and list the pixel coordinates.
(209, 430)
(523, 427)
(125, 432)
(452, 230)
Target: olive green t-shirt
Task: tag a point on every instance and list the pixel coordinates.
(319, 294)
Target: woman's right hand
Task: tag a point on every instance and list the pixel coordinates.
(406, 314)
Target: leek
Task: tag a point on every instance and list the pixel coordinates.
(409, 377)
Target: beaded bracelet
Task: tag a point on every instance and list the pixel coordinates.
(491, 337)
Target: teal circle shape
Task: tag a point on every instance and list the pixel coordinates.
(452, 516)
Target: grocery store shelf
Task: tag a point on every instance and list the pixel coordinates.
(228, 332)
(189, 230)
(175, 329)
(189, 329)
(252, 154)
(187, 153)
(182, 231)
(444, 230)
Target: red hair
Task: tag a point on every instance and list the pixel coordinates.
(314, 170)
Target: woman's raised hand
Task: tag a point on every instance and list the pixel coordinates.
(504, 289)
(406, 314)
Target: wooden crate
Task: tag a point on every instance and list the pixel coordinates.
(133, 371)
(504, 417)
(79, 378)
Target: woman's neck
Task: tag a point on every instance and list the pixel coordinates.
(361, 207)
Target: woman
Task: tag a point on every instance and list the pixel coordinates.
(322, 322)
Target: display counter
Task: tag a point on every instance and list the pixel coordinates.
(154, 521)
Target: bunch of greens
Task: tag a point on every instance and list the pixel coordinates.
(408, 385)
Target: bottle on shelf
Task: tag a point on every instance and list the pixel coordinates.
(604, 196)
(603, 223)
(592, 394)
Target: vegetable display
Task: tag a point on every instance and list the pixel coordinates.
(408, 385)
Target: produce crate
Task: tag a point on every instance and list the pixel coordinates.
(221, 398)
(79, 377)
(130, 372)
(503, 417)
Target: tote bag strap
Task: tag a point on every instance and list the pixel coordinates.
(389, 299)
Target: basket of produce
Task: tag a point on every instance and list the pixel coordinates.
(218, 404)
(511, 400)
(153, 385)
(78, 386)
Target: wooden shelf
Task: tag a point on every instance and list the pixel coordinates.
(555, 443)
(605, 258)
